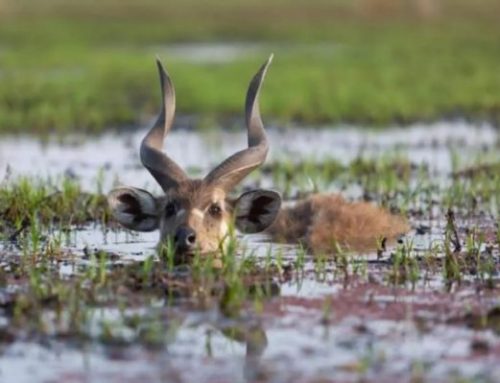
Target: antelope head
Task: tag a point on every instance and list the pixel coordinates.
(195, 214)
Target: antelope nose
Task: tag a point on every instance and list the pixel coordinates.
(185, 238)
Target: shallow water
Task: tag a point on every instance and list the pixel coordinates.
(116, 155)
(293, 346)
(314, 328)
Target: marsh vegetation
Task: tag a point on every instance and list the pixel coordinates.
(82, 299)
(84, 290)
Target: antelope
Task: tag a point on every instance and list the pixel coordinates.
(195, 215)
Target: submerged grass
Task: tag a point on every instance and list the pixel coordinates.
(47, 304)
(89, 67)
(26, 201)
(116, 303)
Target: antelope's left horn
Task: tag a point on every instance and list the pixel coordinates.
(235, 168)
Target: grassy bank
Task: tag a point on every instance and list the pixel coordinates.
(68, 66)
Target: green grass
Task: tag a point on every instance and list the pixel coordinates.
(87, 67)
(30, 203)
(391, 180)
(241, 283)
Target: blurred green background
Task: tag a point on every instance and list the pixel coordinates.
(89, 65)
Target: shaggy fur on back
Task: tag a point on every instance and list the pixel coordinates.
(323, 221)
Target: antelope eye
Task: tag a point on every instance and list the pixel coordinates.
(214, 210)
(170, 209)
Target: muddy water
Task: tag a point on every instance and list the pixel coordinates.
(314, 329)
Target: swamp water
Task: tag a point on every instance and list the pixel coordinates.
(393, 316)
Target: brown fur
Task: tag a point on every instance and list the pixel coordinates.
(191, 197)
(322, 221)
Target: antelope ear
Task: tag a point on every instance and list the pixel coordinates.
(136, 209)
(256, 210)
